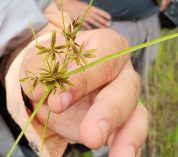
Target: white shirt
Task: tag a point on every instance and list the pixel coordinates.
(15, 19)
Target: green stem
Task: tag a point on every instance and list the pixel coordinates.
(28, 122)
(33, 32)
(44, 131)
(120, 53)
(62, 10)
(87, 154)
(84, 16)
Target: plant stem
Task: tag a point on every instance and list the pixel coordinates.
(84, 16)
(87, 154)
(62, 10)
(33, 32)
(120, 53)
(44, 132)
(28, 122)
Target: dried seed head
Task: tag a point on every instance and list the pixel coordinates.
(54, 74)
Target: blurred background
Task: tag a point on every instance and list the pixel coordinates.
(162, 101)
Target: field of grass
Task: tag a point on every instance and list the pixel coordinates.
(162, 102)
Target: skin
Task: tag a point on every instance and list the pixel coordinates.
(164, 5)
(102, 106)
(96, 17)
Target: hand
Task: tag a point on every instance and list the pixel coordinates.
(96, 17)
(164, 5)
(126, 141)
(102, 102)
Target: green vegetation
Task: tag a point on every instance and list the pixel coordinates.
(162, 101)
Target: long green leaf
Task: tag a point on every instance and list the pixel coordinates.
(120, 53)
(33, 32)
(84, 16)
(63, 22)
(44, 132)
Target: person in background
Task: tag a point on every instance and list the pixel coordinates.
(137, 20)
(101, 111)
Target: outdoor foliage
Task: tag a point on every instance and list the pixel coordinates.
(163, 101)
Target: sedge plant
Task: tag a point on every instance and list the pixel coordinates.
(56, 74)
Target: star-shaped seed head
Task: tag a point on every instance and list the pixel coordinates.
(79, 54)
(55, 77)
(33, 78)
(52, 77)
(53, 50)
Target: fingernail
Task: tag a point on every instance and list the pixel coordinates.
(66, 99)
(108, 24)
(131, 151)
(104, 127)
(108, 17)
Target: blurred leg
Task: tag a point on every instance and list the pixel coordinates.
(138, 32)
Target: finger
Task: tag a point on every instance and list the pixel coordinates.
(93, 78)
(112, 107)
(92, 21)
(131, 136)
(103, 21)
(102, 13)
(164, 4)
(139, 152)
(67, 122)
(86, 26)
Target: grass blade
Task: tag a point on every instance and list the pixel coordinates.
(44, 132)
(62, 11)
(33, 32)
(28, 122)
(84, 16)
(120, 53)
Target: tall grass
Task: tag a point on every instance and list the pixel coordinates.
(163, 101)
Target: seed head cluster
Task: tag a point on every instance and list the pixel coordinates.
(54, 74)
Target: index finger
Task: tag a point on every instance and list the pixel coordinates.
(101, 13)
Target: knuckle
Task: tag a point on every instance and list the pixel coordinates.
(80, 89)
(120, 115)
(116, 115)
(110, 71)
(101, 20)
(134, 83)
